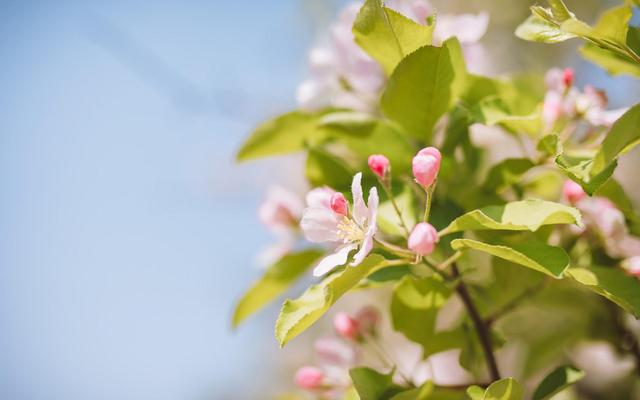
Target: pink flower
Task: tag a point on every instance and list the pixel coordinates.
(426, 165)
(468, 28)
(567, 77)
(379, 165)
(334, 352)
(281, 209)
(346, 326)
(309, 378)
(322, 224)
(423, 238)
(368, 319)
(572, 192)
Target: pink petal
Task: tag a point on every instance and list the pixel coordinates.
(320, 224)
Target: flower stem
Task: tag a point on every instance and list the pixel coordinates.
(395, 206)
(427, 208)
(481, 328)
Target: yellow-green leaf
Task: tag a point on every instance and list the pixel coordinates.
(612, 283)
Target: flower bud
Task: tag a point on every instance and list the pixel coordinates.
(339, 204)
(368, 319)
(423, 238)
(573, 192)
(568, 77)
(426, 165)
(379, 165)
(309, 378)
(346, 326)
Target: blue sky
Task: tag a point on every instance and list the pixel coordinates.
(126, 231)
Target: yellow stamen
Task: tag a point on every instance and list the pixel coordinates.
(349, 231)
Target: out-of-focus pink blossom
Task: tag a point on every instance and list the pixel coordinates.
(563, 100)
(573, 192)
(309, 378)
(379, 164)
(633, 266)
(368, 318)
(423, 238)
(425, 166)
(281, 209)
(334, 352)
(346, 326)
(322, 224)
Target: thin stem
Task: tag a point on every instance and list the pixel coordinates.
(395, 206)
(514, 302)
(427, 208)
(481, 328)
(434, 269)
(446, 263)
(395, 249)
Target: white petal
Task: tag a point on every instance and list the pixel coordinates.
(372, 203)
(359, 208)
(365, 249)
(320, 197)
(320, 224)
(333, 260)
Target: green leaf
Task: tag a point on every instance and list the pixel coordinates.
(613, 63)
(559, 10)
(423, 392)
(419, 91)
(475, 392)
(373, 385)
(536, 29)
(388, 220)
(522, 215)
(579, 169)
(612, 283)
(388, 36)
(297, 315)
(593, 173)
(550, 145)
(504, 389)
(507, 172)
(285, 134)
(414, 310)
(324, 168)
(276, 279)
(533, 254)
(493, 110)
(558, 380)
(623, 136)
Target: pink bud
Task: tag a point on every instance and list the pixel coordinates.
(309, 378)
(346, 326)
(379, 165)
(573, 192)
(567, 77)
(423, 239)
(426, 165)
(339, 204)
(368, 318)
(633, 266)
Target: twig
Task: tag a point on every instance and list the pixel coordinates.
(481, 328)
(514, 303)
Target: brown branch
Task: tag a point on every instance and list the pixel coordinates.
(481, 328)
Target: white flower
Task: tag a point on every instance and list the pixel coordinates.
(353, 231)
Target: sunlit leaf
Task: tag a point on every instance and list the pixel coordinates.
(536, 255)
(276, 279)
(504, 389)
(612, 283)
(373, 385)
(522, 215)
(556, 381)
(299, 314)
(387, 35)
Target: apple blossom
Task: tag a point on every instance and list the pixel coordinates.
(423, 239)
(334, 352)
(356, 231)
(633, 266)
(368, 318)
(281, 209)
(319, 197)
(572, 192)
(425, 166)
(346, 326)
(309, 378)
(379, 165)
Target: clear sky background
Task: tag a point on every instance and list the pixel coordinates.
(126, 232)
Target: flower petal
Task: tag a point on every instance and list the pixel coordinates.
(333, 260)
(365, 249)
(359, 208)
(372, 203)
(320, 224)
